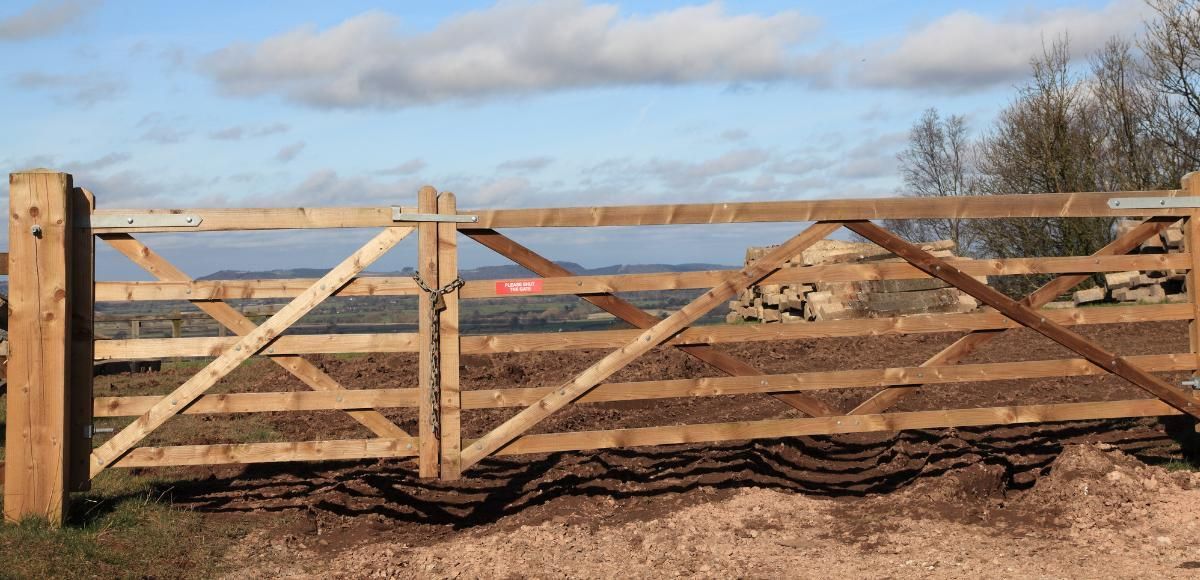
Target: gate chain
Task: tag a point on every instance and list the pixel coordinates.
(436, 304)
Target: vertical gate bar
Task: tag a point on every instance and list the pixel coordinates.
(1191, 244)
(39, 246)
(427, 267)
(83, 308)
(449, 346)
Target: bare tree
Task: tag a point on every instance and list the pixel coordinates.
(1048, 140)
(936, 164)
(1172, 48)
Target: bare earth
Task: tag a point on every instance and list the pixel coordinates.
(1066, 500)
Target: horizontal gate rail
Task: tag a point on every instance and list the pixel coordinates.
(147, 348)
(1056, 205)
(644, 390)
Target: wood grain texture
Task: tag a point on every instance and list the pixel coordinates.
(36, 454)
(235, 453)
(716, 432)
(427, 266)
(575, 285)
(451, 434)
(1088, 204)
(1028, 317)
(644, 342)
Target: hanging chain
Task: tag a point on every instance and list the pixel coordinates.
(437, 303)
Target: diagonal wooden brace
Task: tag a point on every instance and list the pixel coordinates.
(652, 337)
(250, 344)
(235, 321)
(964, 346)
(1028, 317)
(639, 318)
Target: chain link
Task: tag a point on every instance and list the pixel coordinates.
(436, 304)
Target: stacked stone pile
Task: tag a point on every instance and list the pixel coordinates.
(815, 300)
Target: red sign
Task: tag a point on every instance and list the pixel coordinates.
(519, 287)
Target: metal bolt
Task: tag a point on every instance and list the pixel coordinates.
(188, 219)
(36, 231)
(474, 218)
(129, 221)
(1116, 203)
(1162, 202)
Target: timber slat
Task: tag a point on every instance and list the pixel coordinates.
(570, 285)
(235, 453)
(149, 348)
(660, 389)
(717, 432)
(1086, 204)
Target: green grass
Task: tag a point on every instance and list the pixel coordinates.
(124, 528)
(1180, 465)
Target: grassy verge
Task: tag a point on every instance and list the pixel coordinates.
(125, 527)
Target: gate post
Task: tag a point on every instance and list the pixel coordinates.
(450, 409)
(1191, 243)
(427, 267)
(37, 437)
(83, 313)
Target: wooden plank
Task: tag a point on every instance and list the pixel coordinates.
(346, 399)
(247, 346)
(212, 346)
(238, 453)
(39, 288)
(574, 285)
(83, 307)
(228, 317)
(1191, 244)
(642, 390)
(269, 218)
(966, 345)
(451, 397)
(150, 348)
(1026, 316)
(427, 266)
(822, 380)
(626, 311)
(646, 341)
(717, 432)
(1089, 204)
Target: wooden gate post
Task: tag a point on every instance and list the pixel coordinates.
(1191, 244)
(450, 409)
(427, 267)
(37, 443)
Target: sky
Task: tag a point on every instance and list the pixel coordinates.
(513, 104)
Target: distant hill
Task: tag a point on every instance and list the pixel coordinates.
(481, 273)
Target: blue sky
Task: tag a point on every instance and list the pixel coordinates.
(516, 104)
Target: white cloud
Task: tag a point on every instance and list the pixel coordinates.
(526, 165)
(44, 18)
(289, 152)
(84, 89)
(409, 167)
(965, 50)
(238, 132)
(517, 48)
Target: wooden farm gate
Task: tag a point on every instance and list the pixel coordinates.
(54, 225)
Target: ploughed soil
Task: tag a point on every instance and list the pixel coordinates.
(1078, 499)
